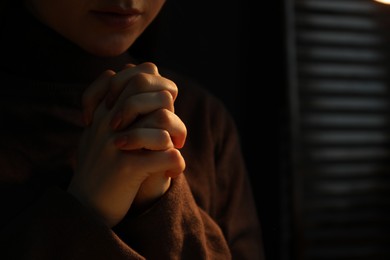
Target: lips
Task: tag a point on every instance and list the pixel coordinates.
(116, 17)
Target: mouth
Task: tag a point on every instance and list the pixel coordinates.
(119, 10)
(116, 17)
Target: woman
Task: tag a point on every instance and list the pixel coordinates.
(106, 157)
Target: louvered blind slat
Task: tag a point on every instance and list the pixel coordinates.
(343, 132)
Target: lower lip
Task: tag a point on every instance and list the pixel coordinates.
(118, 21)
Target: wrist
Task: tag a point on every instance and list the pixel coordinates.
(151, 190)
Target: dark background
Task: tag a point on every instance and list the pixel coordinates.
(237, 51)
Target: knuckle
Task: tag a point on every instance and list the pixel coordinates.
(165, 138)
(173, 89)
(176, 158)
(166, 98)
(163, 117)
(184, 131)
(175, 155)
(149, 67)
(165, 94)
(140, 80)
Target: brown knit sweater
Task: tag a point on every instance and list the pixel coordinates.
(208, 213)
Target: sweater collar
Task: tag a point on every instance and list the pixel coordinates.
(32, 50)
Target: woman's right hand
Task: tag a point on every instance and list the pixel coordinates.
(115, 160)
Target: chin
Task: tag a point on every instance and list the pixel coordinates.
(106, 49)
(107, 52)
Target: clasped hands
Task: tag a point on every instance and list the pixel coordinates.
(129, 150)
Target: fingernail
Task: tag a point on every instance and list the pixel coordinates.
(116, 120)
(121, 141)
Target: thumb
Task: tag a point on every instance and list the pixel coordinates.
(94, 94)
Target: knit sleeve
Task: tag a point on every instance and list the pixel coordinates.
(216, 171)
(236, 210)
(175, 228)
(57, 226)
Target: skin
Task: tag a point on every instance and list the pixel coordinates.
(129, 150)
(77, 21)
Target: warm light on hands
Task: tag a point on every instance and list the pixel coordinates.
(383, 1)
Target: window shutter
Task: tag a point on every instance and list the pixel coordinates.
(340, 103)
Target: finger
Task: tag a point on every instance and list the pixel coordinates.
(144, 138)
(169, 161)
(94, 94)
(129, 65)
(164, 119)
(177, 161)
(121, 79)
(145, 83)
(140, 104)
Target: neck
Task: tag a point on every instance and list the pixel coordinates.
(32, 50)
